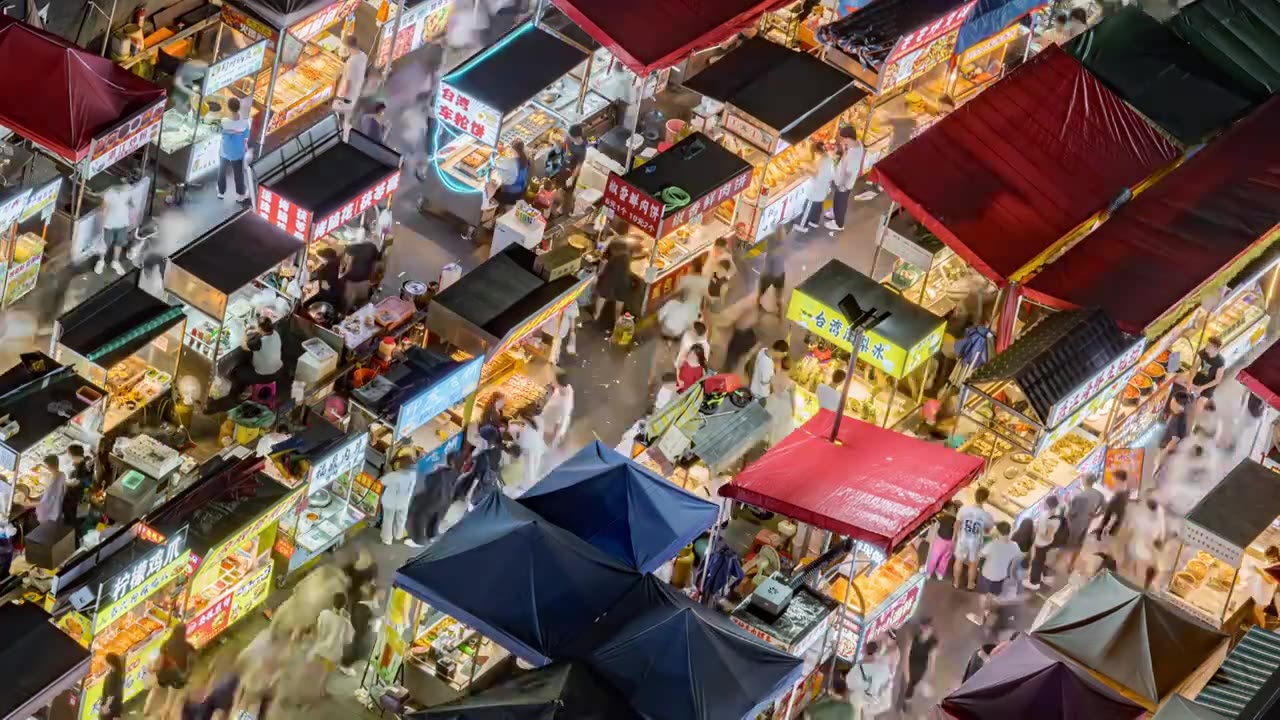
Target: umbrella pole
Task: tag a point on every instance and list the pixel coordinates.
(706, 558)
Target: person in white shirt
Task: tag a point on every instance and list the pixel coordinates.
(696, 335)
(117, 207)
(334, 632)
(397, 493)
(1046, 530)
(1147, 534)
(559, 409)
(351, 84)
(818, 188)
(829, 393)
(528, 433)
(762, 373)
(847, 172)
(998, 557)
(973, 522)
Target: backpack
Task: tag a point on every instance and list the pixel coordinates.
(1062, 535)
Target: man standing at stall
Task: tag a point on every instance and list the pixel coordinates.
(397, 493)
(235, 143)
(351, 84)
(973, 522)
(848, 170)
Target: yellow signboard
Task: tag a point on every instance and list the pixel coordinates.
(251, 594)
(832, 326)
(137, 673)
(116, 610)
(249, 531)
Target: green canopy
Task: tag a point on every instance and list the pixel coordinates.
(1162, 76)
(1240, 36)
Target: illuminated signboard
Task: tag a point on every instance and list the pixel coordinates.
(465, 114)
(288, 216)
(124, 139)
(358, 204)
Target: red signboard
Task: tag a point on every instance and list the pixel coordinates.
(286, 215)
(125, 138)
(319, 22)
(922, 36)
(209, 622)
(889, 618)
(633, 204)
(466, 114)
(708, 202)
(283, 547)
(253, 28)
(665, 286)
(1128, 459)
(358, 204)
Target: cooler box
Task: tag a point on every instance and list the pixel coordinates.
(318, 361)
(50, 545)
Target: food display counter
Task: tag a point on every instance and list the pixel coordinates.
(891, 589)
(324, 516)
(1241, 324)
(125, 339)
(894, 350)
(1224, 542)
(975, 68)
(772, 136)
(680, 202)
(221, 281)
(132, 600)
(800, 629)
(519, 90)
(448, 660)
(925, 271)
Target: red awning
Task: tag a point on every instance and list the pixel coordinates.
(74, 97)
(1011, 172)
(876, 486)
(1262, 376)
(1172, 239)
(654, 34)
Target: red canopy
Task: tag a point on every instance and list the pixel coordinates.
(653, 34)
(877, 485)
(73, 98)
(1011, 172)
(1172, 239)
(1262, 376)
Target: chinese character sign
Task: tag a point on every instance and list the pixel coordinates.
(708, 201)
(633, 205)
(288, 216)
(926, 34)
(320, 21)
(42, 201)
(125, 138)
(347, 457)
(230, 69)
(1087, 389)
(832, 326)
(463, 113)
(419, 25)
(11, 209)
(356, 206)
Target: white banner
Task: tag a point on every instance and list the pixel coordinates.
(230, 69)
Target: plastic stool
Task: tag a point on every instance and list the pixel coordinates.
(264, 393)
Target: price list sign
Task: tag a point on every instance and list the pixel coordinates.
(347, 457)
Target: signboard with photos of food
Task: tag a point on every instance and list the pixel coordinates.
(124, 139)
(831, 325)
(419, 25)
(923, 49)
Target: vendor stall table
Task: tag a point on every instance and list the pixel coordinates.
(679, 202)
(775, 101)
(518, 89)
(219, 279)
(899, 348)
(1224, 539)
(318, 187)
(1041, 409)
(126, 340)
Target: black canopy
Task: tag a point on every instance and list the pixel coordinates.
(284, 13)
(564, 691)
(41, 396)
(1249, 676)
(1162, 76)
(233, 254)
(218, 507)
(1240, 36)
(696, 164)
(116, 322)
(37, 660)
(515, 69)
(869, 34)
(779, 87)
(320, 171)
(1056, 356)
(1240, 507)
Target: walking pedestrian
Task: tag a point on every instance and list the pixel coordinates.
(974, 522)
(999, 558)
(774, 274)
(871, 681)
(431, 503)
(766, 359)
(111, 706)
(1047, 526)
(528, 433)
(696, 335)
(847, 171)
(977, 660)
(743, 337)
(1146, 540)
(1083, 508)
(172, 673)
(1113, 513)
(944, 534)
(692, 370)
(397, 492)
(333, 633)
(559, 409)
(231, 153)
(351, 82)
(117, 220)
(922, 653)
(818, 189)
(1211, 369)
(374, 123)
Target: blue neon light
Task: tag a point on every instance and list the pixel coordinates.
(440, 173)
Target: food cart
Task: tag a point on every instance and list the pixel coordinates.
(1224, 541)
(518, 89)
(895, 350)
(516, 328)
(302, 76)
(126, 605)
(24, 251)
(925, 270)
(318, 187)
(772, 135)
(678, 203)
(219, 279)
(1038, 413)
(126, 340)
(46, 407)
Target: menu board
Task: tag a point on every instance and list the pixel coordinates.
(1128, 459)
(436, 398)
(124, 139)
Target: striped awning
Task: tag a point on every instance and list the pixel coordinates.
(1243, 673)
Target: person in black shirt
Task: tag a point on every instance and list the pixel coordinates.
(1176, 427)
(944, 541)
(1212, 365)
(920, 656)
(362, 260)
(111, 707)
(1113, 515)
(977, 660)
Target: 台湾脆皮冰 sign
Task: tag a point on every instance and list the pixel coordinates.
(831, 325)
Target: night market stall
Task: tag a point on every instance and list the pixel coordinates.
(896, 351)
(1262, 378)
(620, 508)
(39, 661)
(450, 631)
(1029, 679)
(996, 36)
(1211, 219)
(776, 100)
(1239, 37)
(1134, 641)
(1248, 675)
(873, 486)
(221, 279)
(47, 407)
(1039, 412)
(1223, 544)
(673, 658)
(125, 605)
(80, 115)
(517, 89)
(1011, 166)
(1161, 76)
(421, 23)
(126, 340)
(30, 237)
(677, 204)
(327, 191)
(510, 311)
